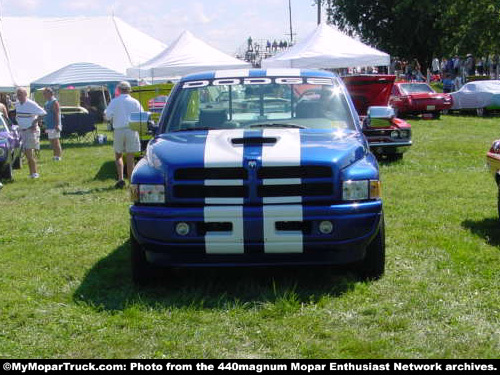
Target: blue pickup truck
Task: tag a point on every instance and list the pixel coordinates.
(258, 168)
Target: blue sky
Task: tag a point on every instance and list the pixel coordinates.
(225, 24)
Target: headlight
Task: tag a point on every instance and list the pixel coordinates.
(152, 194)
(361, 190)
(405, 133)
(394, 134)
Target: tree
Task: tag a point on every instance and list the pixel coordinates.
(421, 29)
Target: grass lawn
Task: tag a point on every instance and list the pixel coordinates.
(65, 288)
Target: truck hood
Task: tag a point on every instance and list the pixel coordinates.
(254, 148)
(369, 90)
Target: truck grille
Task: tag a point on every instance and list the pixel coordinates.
(194, 185)
(193, 174)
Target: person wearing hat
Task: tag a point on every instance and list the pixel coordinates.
(125, 141)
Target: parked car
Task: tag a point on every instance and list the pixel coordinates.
(389, 136)
(10, 148)
(266, 183)
(479, 96)
(156, 104)
(418, 98)
(493, 162)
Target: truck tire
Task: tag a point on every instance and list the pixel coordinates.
(18, 162)
(394, 157)
(7, 172)
(373, 266)
(141, 269)
(498, 203)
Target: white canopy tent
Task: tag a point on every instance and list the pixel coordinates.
(33, 47)
(186, 55)
(327, 48)
(81, 74)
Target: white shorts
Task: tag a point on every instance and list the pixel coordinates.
(126, 141)
(31, 139)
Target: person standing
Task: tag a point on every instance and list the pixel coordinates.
(27, 114)
(3, 111)
(52, 121)
(126, 141)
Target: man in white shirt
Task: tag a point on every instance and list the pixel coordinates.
(27, 114)
(126, 141)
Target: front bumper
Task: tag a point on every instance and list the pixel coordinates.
(389, 148)
(420, 108)
(259, 235)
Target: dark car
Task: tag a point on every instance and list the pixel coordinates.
(277, 180)
(418, 98)
(388, 136)
(10, 149)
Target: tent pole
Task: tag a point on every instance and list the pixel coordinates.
(319, 12)
(104, 97)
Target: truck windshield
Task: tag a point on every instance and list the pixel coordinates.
(235, 103)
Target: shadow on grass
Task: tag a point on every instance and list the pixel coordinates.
(89, 191)
(108, 285)
(106, 172)
(488, 229)
(74, 143)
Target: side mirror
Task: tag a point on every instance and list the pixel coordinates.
(152, 127)
(378, 116)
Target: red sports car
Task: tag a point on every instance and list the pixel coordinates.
(387, 135)
(415, 98)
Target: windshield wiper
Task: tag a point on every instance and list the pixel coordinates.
(278, 125)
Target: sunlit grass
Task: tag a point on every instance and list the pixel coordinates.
(65, 287)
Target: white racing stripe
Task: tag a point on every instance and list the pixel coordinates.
(232, 73)
(276, 72)
(224, 200)
(276, 200)
(281, 242)
(281, 181)
(284, 153)
(223, 182)
(219, 152)
(225, 242)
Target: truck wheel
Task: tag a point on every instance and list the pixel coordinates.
(373, 266)
(7, 172)
(436, 115)
(498, 203)
(481, 112)
(394, 157)
(141, 269)
(18, 162)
